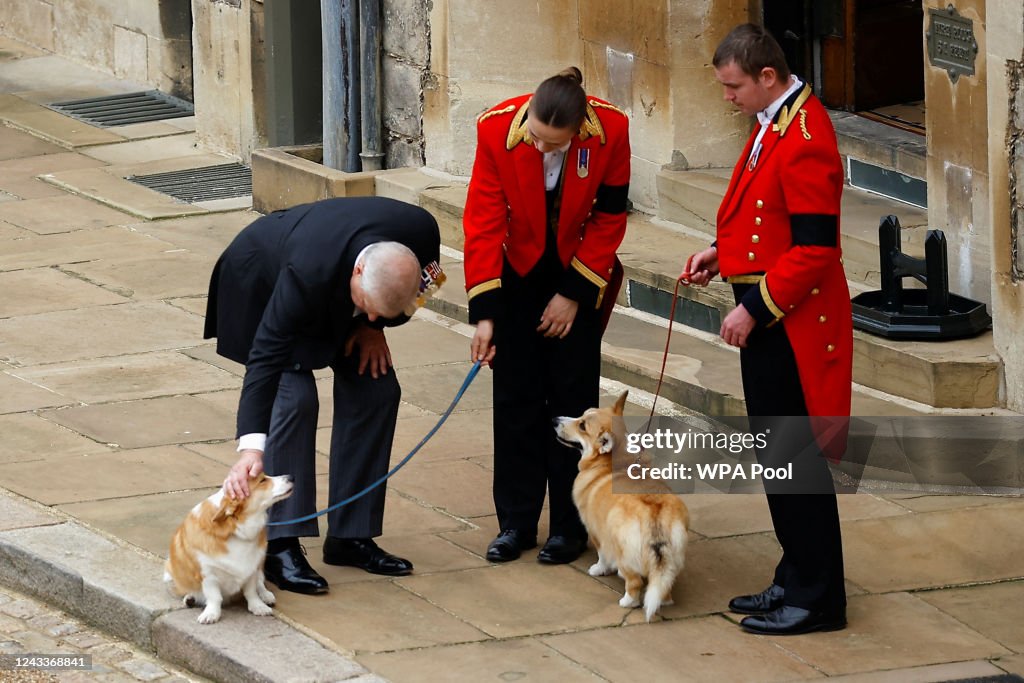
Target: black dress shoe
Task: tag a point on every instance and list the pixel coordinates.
(289, 570)
(768, 600)
(790, 621)
(365, 554)
(510, 544)
(562, 549)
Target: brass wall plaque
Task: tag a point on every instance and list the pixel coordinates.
(951, 42)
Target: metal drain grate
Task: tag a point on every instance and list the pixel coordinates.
(200, 184)
(121, 110)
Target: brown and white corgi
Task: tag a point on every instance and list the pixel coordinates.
(637, 532)
(218, 550)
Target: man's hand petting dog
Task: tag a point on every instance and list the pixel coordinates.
(249, 466)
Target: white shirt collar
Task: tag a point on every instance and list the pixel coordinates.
(765, 117)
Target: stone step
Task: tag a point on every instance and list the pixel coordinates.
(701, 372)
(692, 198)
(954, 374)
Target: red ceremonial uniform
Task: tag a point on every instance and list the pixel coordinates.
(524, 245)
(505, 215)
(778, 226)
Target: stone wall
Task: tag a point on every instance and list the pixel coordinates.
(406, 67)
(957, 165)
(649, 57)
(229, 75)
(1004, 56)
(145, 41)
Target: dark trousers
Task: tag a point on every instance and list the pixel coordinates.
(535, 380)
(365, 414)
(806, 524)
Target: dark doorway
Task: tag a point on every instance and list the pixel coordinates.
(861, 55)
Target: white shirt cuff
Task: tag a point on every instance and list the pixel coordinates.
(254, 441)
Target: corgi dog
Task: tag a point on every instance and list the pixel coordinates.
(218, 550)
(637, 531)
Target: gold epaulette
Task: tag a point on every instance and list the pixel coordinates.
(591, 126)
(494, 112)
(605, 105)
(788, 114)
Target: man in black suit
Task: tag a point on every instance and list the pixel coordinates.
(303, 289)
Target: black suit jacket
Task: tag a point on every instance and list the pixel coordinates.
(280, 294)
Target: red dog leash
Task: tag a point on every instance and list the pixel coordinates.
(681, 280)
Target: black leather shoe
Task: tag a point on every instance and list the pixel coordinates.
(289, 570)
(768, 600)
(562, 549)
(509, 545)
(365, 554)
(790, 621)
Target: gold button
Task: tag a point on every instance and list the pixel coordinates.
(822, 318)
(757, 220)
(759, 204)
(755, 238)
(830, 348)
(815, 291)
(792, 306)
(750, 256)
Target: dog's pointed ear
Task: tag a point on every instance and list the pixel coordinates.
(228, 507)
(620, 404)
(605, 443)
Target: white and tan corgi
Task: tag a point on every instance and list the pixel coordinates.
(218, 550)
(637, 532)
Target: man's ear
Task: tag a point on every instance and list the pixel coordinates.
(605, 443)
(769, 77)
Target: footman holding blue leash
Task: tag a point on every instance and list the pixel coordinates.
(308, 288)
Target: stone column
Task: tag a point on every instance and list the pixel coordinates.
(957, 164)
(1005, 62)
(227, 49)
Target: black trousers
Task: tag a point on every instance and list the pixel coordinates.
(535, 380)
(806, 524)
(365, 414)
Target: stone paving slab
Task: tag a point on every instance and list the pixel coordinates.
(704, 649)
(891, 631)
(41, 290)
(107, 184)
(49, 125)
(84, 245)
(99, 331)
(935, 549)
(504, 660)
(17, 513)
(153, 422)
(15, 144)
(936, 673)
(981, 608)
(110, 475)
(224, 651)
(126, 378)
(522, 598)
(173, 274)
(205, 234)
(18, 395)
(18, 177)
(49, 215)
(30, 438)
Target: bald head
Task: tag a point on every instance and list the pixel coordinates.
(389, 279)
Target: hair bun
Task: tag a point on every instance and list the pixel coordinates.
(572, 73)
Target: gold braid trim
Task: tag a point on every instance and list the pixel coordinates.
(803, 124)
(518, 132)
(788, 114)
(591, 125)
(776, 311)
(494, 112)
(484, 287)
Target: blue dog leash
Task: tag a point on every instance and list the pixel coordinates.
(458, 396)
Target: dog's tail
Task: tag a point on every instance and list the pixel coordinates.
(667, 561)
